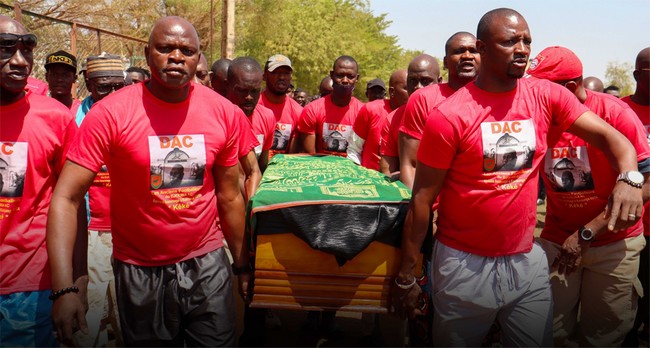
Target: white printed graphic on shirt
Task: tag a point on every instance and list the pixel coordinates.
(281, 136)
(508, 145)
(258, 148)
(336, 137)
(13, 166)
(568, 169)
(176, 161)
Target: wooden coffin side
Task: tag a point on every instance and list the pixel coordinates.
(289, 274)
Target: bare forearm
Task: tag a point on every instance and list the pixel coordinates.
(61, 238)
(80, 255)
(408, 150)
(388, 164)
(232, 216)
(415, 228)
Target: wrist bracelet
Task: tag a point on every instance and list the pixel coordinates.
(59, 293)
(405, 286)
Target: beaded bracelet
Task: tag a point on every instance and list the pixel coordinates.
(405, 286)
(59, 293)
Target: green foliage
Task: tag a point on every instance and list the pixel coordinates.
(313, 33)
(620, 75)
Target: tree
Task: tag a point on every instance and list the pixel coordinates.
(619, 75)
(314, 33)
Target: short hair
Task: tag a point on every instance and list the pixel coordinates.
(345, 59)
(483, 28)
(611, 88)
(248, 64)
(139, 70)
(220, 65)
(299, 90)
(460, 33)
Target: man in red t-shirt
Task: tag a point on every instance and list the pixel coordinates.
(35, 134)
(372, 118)
(325, 125)
(640, 103)
(592, 270)
(171, 147)
(278, 73)
(462, 62)
(421, 72)
(244, 88)
(60, 74)
(480, 152)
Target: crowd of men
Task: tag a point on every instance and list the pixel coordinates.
(116, 211)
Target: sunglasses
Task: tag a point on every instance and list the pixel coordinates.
(107, 88)
(10, 41)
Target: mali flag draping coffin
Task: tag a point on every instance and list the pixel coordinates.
(326, 234)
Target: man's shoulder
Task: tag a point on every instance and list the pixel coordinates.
(47, 107)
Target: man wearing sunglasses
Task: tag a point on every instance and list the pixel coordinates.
(35, 132)
(104, 75)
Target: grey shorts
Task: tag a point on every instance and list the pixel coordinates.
(470, 292)
(189, 303)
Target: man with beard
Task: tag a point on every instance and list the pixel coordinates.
(485, 265)
(166, 241)
(325, 124)
(60, 74)
(35, 134)
(278, 73)
(462, 61)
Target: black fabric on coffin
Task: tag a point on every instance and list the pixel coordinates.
(343, 230)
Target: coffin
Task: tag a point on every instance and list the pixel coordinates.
(324, 245)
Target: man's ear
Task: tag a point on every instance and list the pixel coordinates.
(480, 46)
(571, 86)
(391, 91)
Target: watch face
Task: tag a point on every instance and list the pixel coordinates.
(586, 234)
(635, 177)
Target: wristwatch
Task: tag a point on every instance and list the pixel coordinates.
(632, 178)
(586, 234)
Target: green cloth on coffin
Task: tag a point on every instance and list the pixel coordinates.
(329, 202)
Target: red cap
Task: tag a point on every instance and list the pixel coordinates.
(556, 63)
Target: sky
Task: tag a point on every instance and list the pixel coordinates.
(598, 31)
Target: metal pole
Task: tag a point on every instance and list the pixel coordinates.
(18, 15)
(211, 29)
(73, 49)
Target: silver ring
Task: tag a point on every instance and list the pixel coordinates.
(631, 216)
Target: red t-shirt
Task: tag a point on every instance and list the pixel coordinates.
(369, 123)
(287, 115)
(492, 145)
(35, 133)
(75, 106)
(578, 177)
(331, 124)
(263, 125)
(37, 86)
(247, 141)
(643, 112)
(390, 132)
(420, 105)
(161, 157)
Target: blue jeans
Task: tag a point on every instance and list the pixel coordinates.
(25, 320)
